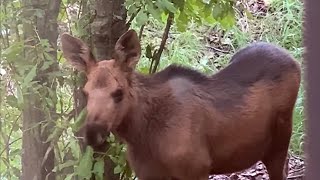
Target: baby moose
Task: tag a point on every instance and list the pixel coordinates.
(180, 124)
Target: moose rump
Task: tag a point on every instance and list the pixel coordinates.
(181, 124)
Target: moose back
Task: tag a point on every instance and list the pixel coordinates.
(181, 124)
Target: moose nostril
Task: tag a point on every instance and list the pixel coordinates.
(95, 136)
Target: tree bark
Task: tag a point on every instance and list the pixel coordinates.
(37, 155)
(108, 25)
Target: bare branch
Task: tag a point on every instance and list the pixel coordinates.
(128, 24)
(141, 31)
(10, 133)
(163, 42)
(7, 146)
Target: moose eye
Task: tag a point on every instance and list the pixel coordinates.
(117, 95)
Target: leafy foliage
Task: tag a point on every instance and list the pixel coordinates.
(202, 12)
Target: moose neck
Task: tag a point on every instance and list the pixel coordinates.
(147, 96)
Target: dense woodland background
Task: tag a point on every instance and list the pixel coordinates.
(42, 105)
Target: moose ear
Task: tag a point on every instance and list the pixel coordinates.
(128, 50)
(77, 52)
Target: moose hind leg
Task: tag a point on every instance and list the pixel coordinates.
(276, 160)
(277, 166)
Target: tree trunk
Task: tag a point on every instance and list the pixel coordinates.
(38, 117)
(108, 25)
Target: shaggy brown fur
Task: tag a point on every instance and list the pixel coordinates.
(181, 124)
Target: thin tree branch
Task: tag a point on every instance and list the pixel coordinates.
(216, 49)
(141, 31)
(9, 136)
(163, 42)
(152, 61)
(7, 146)
(80, 9)
(128, 24)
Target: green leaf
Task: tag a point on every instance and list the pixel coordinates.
(15, 152)
(98, 169)
(155, 12)
(68, 163)
(228, 21)
(13, 51)
(20, 96)
(69, 176)
(12, 101)
(217, 11)
(210, 20)
(207, 11)
(113, 158)
(49, 102)
(79, 120)
(122, 159)
(248, 14)
(141, 18)
(54, 135)
(29, 77)
(144, 70)
(48, 58)
(85, 164)
(75, 149)
(164, 17)
(39, 13)
(44, 42)
(117, 169)
(165, 4)
(5, 161)
(182, 22)
(132, 9)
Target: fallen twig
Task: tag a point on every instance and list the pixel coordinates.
(297, 170)
(296, 176)
(216, 49)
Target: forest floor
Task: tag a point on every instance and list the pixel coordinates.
(259, 172)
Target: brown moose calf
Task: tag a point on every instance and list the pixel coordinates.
(183, 125)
